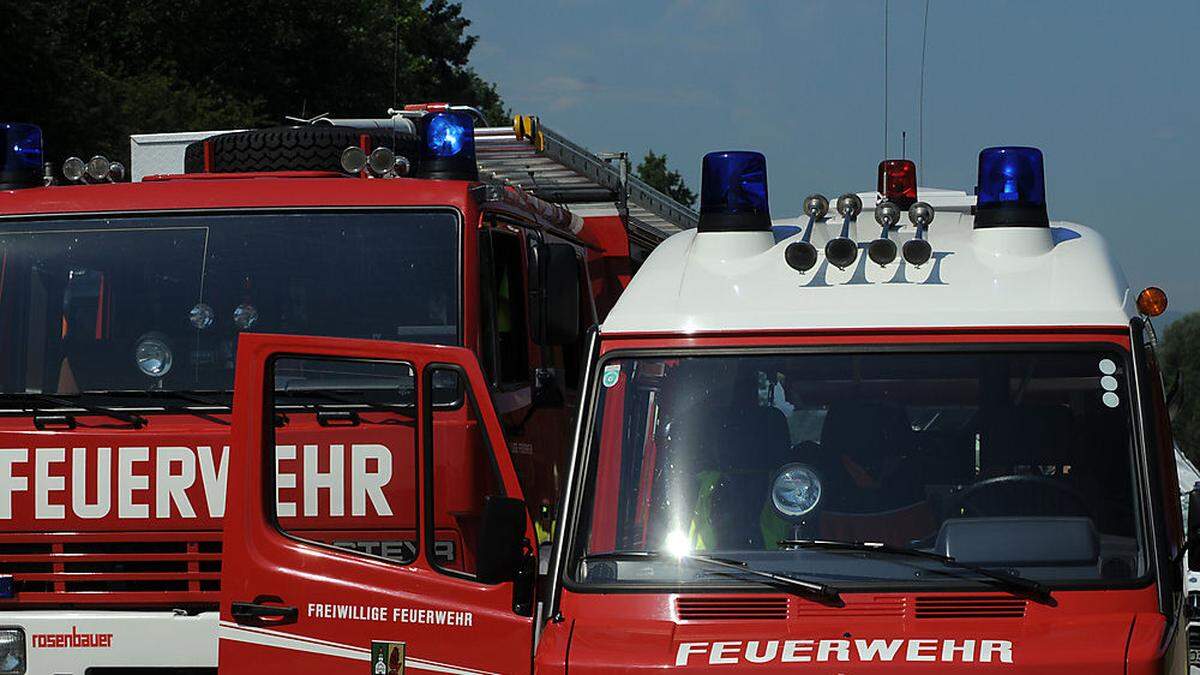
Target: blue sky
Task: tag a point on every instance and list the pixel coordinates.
(1109, 92)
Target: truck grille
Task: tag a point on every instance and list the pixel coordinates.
(969, 607)
(731, 608)
(894, 607)
(105, 568)
(879, 607)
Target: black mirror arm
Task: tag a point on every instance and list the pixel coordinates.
(1183, 550)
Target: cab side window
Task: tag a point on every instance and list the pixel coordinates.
(344, 449)
(506, 339)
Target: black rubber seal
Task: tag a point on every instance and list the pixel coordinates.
(1010, 215)
(734, 222)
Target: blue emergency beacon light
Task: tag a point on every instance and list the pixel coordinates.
(20, 156)
(447, 146)
(1012, 188)
(733, 192)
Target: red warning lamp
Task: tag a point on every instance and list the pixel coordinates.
(898, 182)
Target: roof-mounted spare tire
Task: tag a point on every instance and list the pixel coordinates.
(308, 148)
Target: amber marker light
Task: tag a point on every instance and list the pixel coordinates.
(1152, 301)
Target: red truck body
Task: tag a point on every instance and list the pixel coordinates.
(958, 460)
(115, 487)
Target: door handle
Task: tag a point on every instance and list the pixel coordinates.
(249, 612)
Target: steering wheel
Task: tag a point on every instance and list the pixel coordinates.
(1016, 484)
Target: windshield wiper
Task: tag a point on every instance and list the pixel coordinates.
(136, 421)
(816, 589)
(156, 398)
(192, 397)
(1018, 585)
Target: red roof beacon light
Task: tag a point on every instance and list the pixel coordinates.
(898, 182)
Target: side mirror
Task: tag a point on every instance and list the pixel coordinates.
(502, 541)
(1193, 530)
(554, 294)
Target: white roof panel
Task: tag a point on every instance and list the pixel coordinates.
(1058, 276)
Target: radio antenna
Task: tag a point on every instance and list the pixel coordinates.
(885, 79)
(396, 54)
(921, 95)
(395, 65)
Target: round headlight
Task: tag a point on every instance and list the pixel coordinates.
(245, 315)
(73, 169)
(381, 161)
(201, 315)
(353, 159)
(98, 168)
(153, 356)
(796, 491)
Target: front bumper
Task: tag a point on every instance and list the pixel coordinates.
(69, 642)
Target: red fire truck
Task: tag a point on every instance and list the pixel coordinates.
(833, 446)
(121, 305)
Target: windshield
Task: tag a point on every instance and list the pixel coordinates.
(1019, 461)
(157, 302)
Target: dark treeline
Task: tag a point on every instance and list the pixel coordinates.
(92, 72)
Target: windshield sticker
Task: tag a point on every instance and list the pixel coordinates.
(1109, 383)
(387, 658)
(612, 373)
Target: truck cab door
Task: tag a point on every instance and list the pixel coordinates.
(374, 522)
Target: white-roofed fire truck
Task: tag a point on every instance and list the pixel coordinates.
(849, 443)
(121, 305)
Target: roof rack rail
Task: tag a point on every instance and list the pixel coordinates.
(527, 155)
(554, 168)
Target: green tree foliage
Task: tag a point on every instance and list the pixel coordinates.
(1180, 353)
(653, 169)
(92, 72)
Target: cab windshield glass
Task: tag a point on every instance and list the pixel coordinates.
(157, 303)
(1019, 461)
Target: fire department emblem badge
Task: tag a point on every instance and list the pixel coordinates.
(387, 658)
(612, 373)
